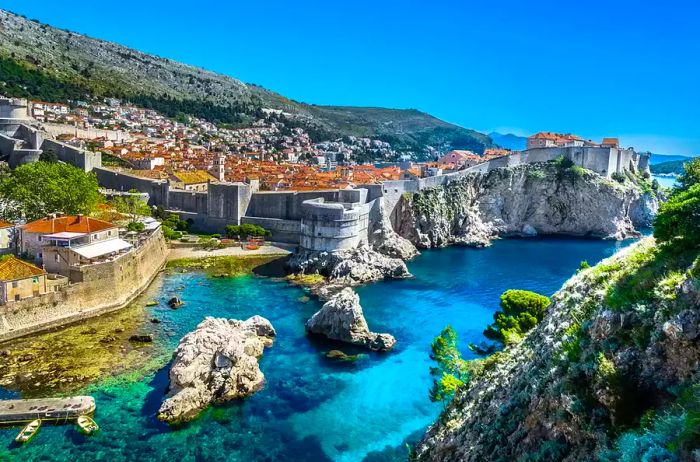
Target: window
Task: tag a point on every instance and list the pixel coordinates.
(35, 279)
(57, 258)
(15, 284)
(16, 297)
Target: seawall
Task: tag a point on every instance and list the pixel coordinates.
(106, 287)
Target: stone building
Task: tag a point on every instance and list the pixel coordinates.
(20, 280)
(63, 231)
(197, 180)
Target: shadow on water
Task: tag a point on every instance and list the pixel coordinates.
(154, 398)
(272, 269)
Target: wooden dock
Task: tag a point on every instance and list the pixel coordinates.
(15, 411)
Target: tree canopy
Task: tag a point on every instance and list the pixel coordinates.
(451, 371)
(35, 190)
(133, 205)
(520, 311)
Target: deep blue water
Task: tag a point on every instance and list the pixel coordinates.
(311, 408)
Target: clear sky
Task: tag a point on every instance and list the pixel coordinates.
(597, 67)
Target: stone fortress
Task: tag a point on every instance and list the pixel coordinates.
(315, 220)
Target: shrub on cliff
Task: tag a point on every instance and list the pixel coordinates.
(520, 311)
(690, 175)
(451, 371)
(678, 220)
(35, 190)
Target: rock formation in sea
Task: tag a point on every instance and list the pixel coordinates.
(349, 267)
(525, 201)
(612, 369)
(341, 318)
(216, 362)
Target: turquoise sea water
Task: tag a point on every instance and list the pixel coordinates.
(312, 409)
(665, 181)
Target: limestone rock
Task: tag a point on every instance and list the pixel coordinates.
(175, 302)
(385, 240)
(535, 199)
(349, 267)
(218, 361)
(341, 318)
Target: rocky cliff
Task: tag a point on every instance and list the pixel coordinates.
(525, 201)
(611, 373)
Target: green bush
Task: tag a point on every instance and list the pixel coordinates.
(170, 234)
(451, 371)
(246, 230)
(679, 219)
(619, 177)
(690, 175)
(136, 226)
(520, 311)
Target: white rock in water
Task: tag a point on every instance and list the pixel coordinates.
(218, 361)
(341, 318)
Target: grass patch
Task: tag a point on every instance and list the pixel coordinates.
(307, 280)
(221, 266)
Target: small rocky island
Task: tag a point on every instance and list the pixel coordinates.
(216, 362)
(341, 319)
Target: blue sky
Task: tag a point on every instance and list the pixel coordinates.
(595, 68)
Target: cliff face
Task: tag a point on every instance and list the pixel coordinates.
(611, 373)
(525, 201)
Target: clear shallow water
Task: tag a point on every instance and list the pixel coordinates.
(665, 181)
(312, 409)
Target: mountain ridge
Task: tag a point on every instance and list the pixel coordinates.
(99, 67)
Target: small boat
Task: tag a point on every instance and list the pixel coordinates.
(28, 431)
(87, 425)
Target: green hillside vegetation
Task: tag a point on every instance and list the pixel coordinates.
(41, 62)
(666, 168)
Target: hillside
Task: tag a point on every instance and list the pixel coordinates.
(666, 168)
(43, 62)
(509, 141)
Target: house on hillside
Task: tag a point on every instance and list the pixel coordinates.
(460, 158)
(20, 280)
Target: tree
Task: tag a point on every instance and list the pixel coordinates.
(35, 190)
(690, 175)
(246, 230)
(48, 156)
(133, 205)
(451, 370)
(520, 311)
(678, 219)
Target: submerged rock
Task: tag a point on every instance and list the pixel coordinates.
(141, 338)
(338, 355)
(216, 362)
(175, 302)
(341, 318)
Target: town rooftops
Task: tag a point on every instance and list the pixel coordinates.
(193, 177)
(5, 224)
(12, 268)
(614, 142)
(557, 137)
(67, 224)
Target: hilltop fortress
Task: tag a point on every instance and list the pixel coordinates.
(324, 220)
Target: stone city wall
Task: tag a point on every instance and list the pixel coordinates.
(106, 287)
(333, 226)
(85, 133)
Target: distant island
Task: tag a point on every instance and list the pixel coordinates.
(673, 167)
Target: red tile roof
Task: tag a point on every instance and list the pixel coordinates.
(70, 224)
(12, 268)
(5, 224)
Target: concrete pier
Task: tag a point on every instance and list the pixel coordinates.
(13, 411)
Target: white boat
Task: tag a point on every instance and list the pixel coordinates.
(87, 425)
(28, 431)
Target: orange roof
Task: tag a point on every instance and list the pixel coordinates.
(5, 224)
(70, 224)
(611, 141)
(12, 268)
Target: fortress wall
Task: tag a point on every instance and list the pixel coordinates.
(89, 133)
(282, 230)
(331, 226)
(157, 190)
(23, 156)
(187, 201)
(106, 287)
(85, 160)
(287, 205)
(7, 144)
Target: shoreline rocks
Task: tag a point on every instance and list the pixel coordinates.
(341, 319)
(216, 362)
(349, 267)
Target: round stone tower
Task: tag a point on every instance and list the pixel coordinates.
(13, 108)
